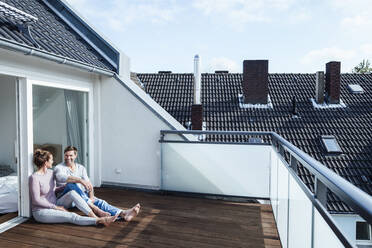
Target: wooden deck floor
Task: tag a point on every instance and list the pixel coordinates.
(165, 221)
(6, 217)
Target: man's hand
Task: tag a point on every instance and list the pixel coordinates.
(60, 208)
(87, 185)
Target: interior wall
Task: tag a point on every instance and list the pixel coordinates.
(8, 130)
(49, 116)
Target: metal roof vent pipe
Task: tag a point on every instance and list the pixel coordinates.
(294, 108)
(255, 81)
(320, 85)
(333, 79)
(197, 108)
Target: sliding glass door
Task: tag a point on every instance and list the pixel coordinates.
(9, 170)
(60, 119)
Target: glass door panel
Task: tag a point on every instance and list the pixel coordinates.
(8, 149)
(60, 119)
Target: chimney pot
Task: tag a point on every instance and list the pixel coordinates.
(255, 81)
(333, 69)
(197, 80)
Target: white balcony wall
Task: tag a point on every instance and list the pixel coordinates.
(282, 201)
(295, 214)
(234, 170)
(300, 216)
(130, 132)
(323, 234)
(274, 183)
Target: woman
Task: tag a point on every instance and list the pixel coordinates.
(46, 208)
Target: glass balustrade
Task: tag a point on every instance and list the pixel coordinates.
(256, 171)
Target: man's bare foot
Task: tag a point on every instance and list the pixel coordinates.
(106, 221)
(99, 212)
(129, 214)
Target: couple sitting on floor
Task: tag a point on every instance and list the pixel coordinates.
(53, 193)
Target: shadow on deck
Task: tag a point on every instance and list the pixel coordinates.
(165, 221)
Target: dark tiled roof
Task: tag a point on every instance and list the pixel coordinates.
(51, 33)
(352, 126)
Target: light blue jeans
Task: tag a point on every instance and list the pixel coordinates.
(57, 216)
(101, 204)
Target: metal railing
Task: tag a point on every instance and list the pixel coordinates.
(325, 179)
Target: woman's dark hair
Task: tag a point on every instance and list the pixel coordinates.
(70, 148)
(40, 157)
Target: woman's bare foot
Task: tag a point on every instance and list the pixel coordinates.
(99, 212)
(106, 221)
(129, 214)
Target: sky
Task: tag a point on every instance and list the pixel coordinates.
(294, 35)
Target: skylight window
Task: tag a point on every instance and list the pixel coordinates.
(355, 88)
(331, 145)
(255, 140)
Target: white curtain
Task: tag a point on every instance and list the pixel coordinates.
(74, 122)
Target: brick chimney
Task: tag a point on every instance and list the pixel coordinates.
(332, 87)
(197, 107)
(197, 117)
(319, 90)
(255, 81)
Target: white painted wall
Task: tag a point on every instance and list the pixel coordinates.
(124, 65)
(130, 132)
(347, 223)
(8, 130)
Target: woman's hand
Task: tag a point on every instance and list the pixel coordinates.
(60, 208)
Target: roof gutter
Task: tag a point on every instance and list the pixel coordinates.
(77, 64)
(27, 50)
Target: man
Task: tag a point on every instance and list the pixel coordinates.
(74, 177)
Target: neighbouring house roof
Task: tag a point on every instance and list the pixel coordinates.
(52, 34)
(351, 126)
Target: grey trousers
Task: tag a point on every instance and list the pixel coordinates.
(57, 216)
(71, 199)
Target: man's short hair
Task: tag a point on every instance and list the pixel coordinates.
(71, 148)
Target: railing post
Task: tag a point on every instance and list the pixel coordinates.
(281, 150)
(321, 192)
(161, 136)
(293, 163)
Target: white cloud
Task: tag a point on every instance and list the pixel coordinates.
(119, 14)
(222, 63)
(77, 3)
(316, 59)
(321, 56)
(355, 14)
(351, 6)
(240, 12)
(357, 23)
(366, 50)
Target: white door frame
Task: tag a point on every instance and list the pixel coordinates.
(26, 132)
(20, 148)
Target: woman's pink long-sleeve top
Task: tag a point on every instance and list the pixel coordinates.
(42, 191)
